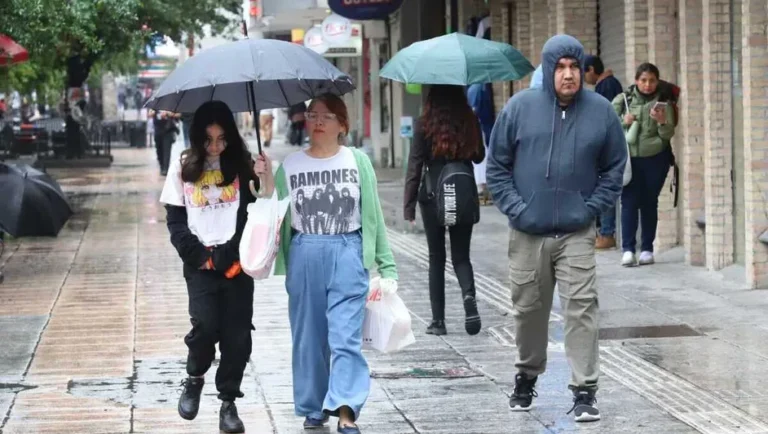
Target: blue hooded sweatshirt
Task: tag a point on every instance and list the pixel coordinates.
(550, 169)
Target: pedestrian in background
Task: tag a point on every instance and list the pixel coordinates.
(327, 267)
(448, 131)
(165, 134)
(556, 161)
(206, 194)
(646, 106)
(480, 96)
(297, 120)
(608, 87)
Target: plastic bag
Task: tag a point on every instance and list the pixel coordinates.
(261, 236)
(387, 326)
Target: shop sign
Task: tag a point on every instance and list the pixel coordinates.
(365, 9)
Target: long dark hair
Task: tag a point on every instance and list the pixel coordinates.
(449, 122)
(234, 160)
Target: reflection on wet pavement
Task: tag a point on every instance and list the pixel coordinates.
(92, 324)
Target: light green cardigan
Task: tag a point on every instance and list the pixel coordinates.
(375, 244)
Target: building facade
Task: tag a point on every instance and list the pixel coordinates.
(717, 52)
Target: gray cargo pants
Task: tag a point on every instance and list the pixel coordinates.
(536, 263)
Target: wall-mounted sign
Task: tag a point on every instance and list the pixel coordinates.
(365, 9)
(313, 40)
(406, 127)
(336, 30)
(297, 36)
(352, 48)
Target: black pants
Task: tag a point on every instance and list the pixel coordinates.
(220, 310)
(461, 237)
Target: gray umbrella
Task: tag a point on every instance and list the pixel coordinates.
(250, 75)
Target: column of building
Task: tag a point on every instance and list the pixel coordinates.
(755, 84)
(691, 130)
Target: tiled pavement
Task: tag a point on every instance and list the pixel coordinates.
(92, 323)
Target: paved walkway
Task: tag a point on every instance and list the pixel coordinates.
(92, 325)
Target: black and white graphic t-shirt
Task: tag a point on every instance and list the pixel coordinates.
(325, 193)
(211, 209)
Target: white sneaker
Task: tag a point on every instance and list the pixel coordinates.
(646, 258)
(629, 260)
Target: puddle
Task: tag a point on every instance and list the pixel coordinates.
(644, 332)
(460, 372)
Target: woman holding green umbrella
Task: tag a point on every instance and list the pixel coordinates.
(449, 132)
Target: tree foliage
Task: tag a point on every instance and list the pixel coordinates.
(75, 35)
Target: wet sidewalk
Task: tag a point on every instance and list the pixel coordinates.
(92, 325)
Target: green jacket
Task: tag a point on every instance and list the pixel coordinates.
(653, 138)
(375, 244)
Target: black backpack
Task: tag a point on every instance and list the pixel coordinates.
(455, 194)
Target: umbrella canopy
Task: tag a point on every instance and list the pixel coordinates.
(266, 72)
(457, 59)
(11, 52)
(31, 202)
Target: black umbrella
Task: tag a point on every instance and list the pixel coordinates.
(31, 202)
(250, 75)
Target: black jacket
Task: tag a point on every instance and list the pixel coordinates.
(421, 155)
(191, 251)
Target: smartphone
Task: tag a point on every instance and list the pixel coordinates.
(660, 105)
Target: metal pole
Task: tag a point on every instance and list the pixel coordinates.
(391, 99)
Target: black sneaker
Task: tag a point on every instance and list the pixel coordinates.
(189, 401)
(312, 423)
(525, 391)
(584, 406)
(229, 421)
(472, 318)
(437, 328)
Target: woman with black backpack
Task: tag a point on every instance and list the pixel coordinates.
(440, 178)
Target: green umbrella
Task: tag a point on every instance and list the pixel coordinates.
(457, 59)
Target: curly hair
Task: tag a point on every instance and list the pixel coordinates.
(449, 122)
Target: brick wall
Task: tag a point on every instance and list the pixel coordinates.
(612, 46)
(578, 18)
(662, 51)
(498, 33)
(635, 36)
(691, 129)
(522, 38)
(755, 84)
(717, 134)
(539, 25)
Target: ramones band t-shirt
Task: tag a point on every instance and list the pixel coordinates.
(325, 193)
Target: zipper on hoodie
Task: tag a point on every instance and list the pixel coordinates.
(557, 183)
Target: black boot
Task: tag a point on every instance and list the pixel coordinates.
(437, 328)
(229, 421)
(189, 402)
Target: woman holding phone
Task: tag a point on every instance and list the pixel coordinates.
(650, 122)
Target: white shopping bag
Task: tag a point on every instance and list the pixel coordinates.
(387, 326)
(260, 242)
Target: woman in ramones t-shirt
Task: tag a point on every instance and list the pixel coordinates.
(206, 194)
(326, 265)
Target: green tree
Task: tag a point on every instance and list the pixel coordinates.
(75, 35)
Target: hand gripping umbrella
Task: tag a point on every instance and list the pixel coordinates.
(250, 75)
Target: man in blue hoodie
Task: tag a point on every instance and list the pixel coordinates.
(556, 162)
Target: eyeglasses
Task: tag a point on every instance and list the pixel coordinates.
(325, 117)
(221, 142)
